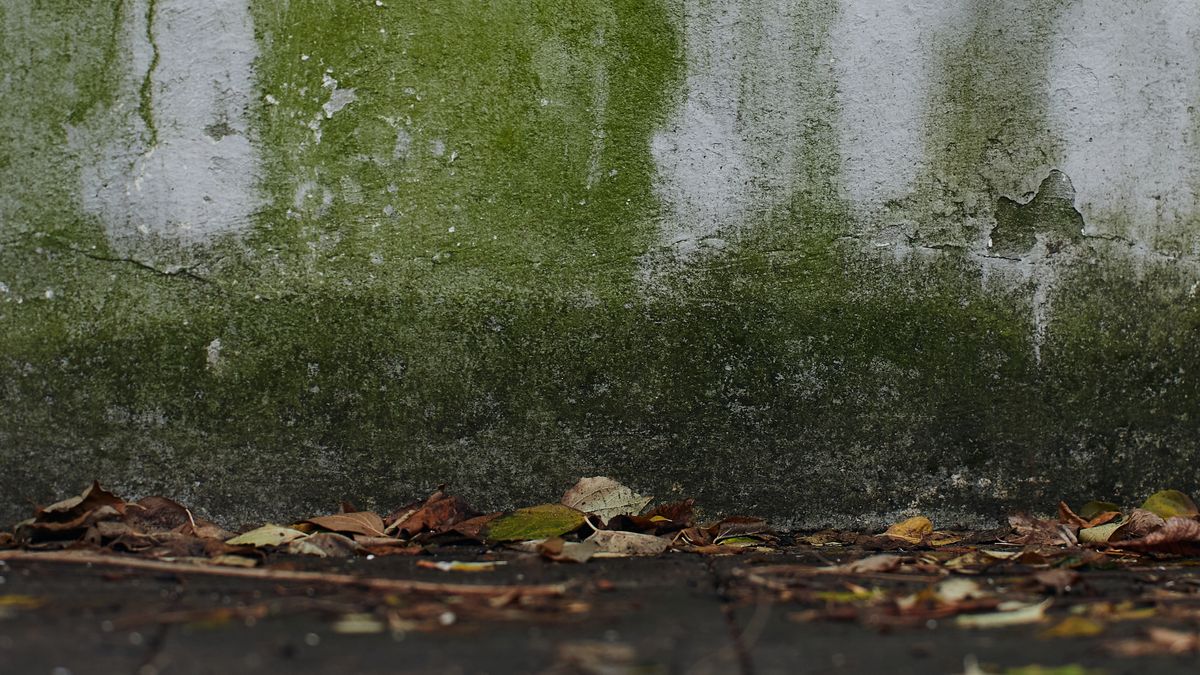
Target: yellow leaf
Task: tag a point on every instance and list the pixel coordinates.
(267, 535)
(1074, 626)
(1170, 503)
(1099, 534)
(1016, 616)
(912, 530)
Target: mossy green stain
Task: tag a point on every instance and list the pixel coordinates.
(986, 120)
(496, 101)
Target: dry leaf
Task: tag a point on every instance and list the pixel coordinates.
(1159, 641)
(267, 535)
(628, 543)
(1012, 615)
(567, 551)
(605, 498)
(324, 545)
(912, 530)
(92, 498)
(439, 513)
(1029, 530)
(869, 565)
(1178, 536)
(1069, 517)
(1139, 524)
(1073, 627)
(360, 522)
(460, 566)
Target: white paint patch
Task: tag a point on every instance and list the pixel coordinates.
(886, 63)
(180, 164)
(1124, 91)
(212, 354)
(731, 151)
(403, 144)
(338, 98)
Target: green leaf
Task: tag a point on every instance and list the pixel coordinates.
(535, 522)
(1170, 503)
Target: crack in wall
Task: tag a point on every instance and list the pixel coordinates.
(146, 92)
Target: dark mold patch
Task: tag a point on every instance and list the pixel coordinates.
(1051, 213)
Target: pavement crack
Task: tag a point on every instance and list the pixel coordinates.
(737, 636)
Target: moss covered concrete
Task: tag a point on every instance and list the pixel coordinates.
(460, 272)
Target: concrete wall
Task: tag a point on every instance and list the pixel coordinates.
(830, 262)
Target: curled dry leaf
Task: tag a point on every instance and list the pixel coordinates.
(1028, 530)
(912, 530)
(1011, 615)
(1069, 517)
(1159, 641)
(1139, 524)
(628, 543)
(870, 565)
(324, 545)
(558, 550)
(92, 498)
(605, 498)
(439, 513)
(360, 522)
(1178, 536)
(1056, 580)
(680, 513)
(267, 535)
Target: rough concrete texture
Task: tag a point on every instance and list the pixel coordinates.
(826, 262)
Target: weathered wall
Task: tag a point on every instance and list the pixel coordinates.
(828, 262)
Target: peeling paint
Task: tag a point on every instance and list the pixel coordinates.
(159, 173)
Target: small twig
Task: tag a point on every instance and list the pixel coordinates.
(375, 584)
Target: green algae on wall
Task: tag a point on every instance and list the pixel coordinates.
(505, 140)
(446, 284)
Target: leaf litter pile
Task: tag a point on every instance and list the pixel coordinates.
(1074, 575)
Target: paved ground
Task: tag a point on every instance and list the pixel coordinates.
(679, 613)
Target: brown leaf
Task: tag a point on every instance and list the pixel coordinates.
(1069, 517)
(1139, 524)
(439, 513)
(360, 522)
(476, 528)
(70, 509)
(35, 530)
(870, 565)
(1030, 530)
(1056, 580)
(1178, 536)
(738, 526)
(1159, 641)
(558, 550)
(681, 513)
